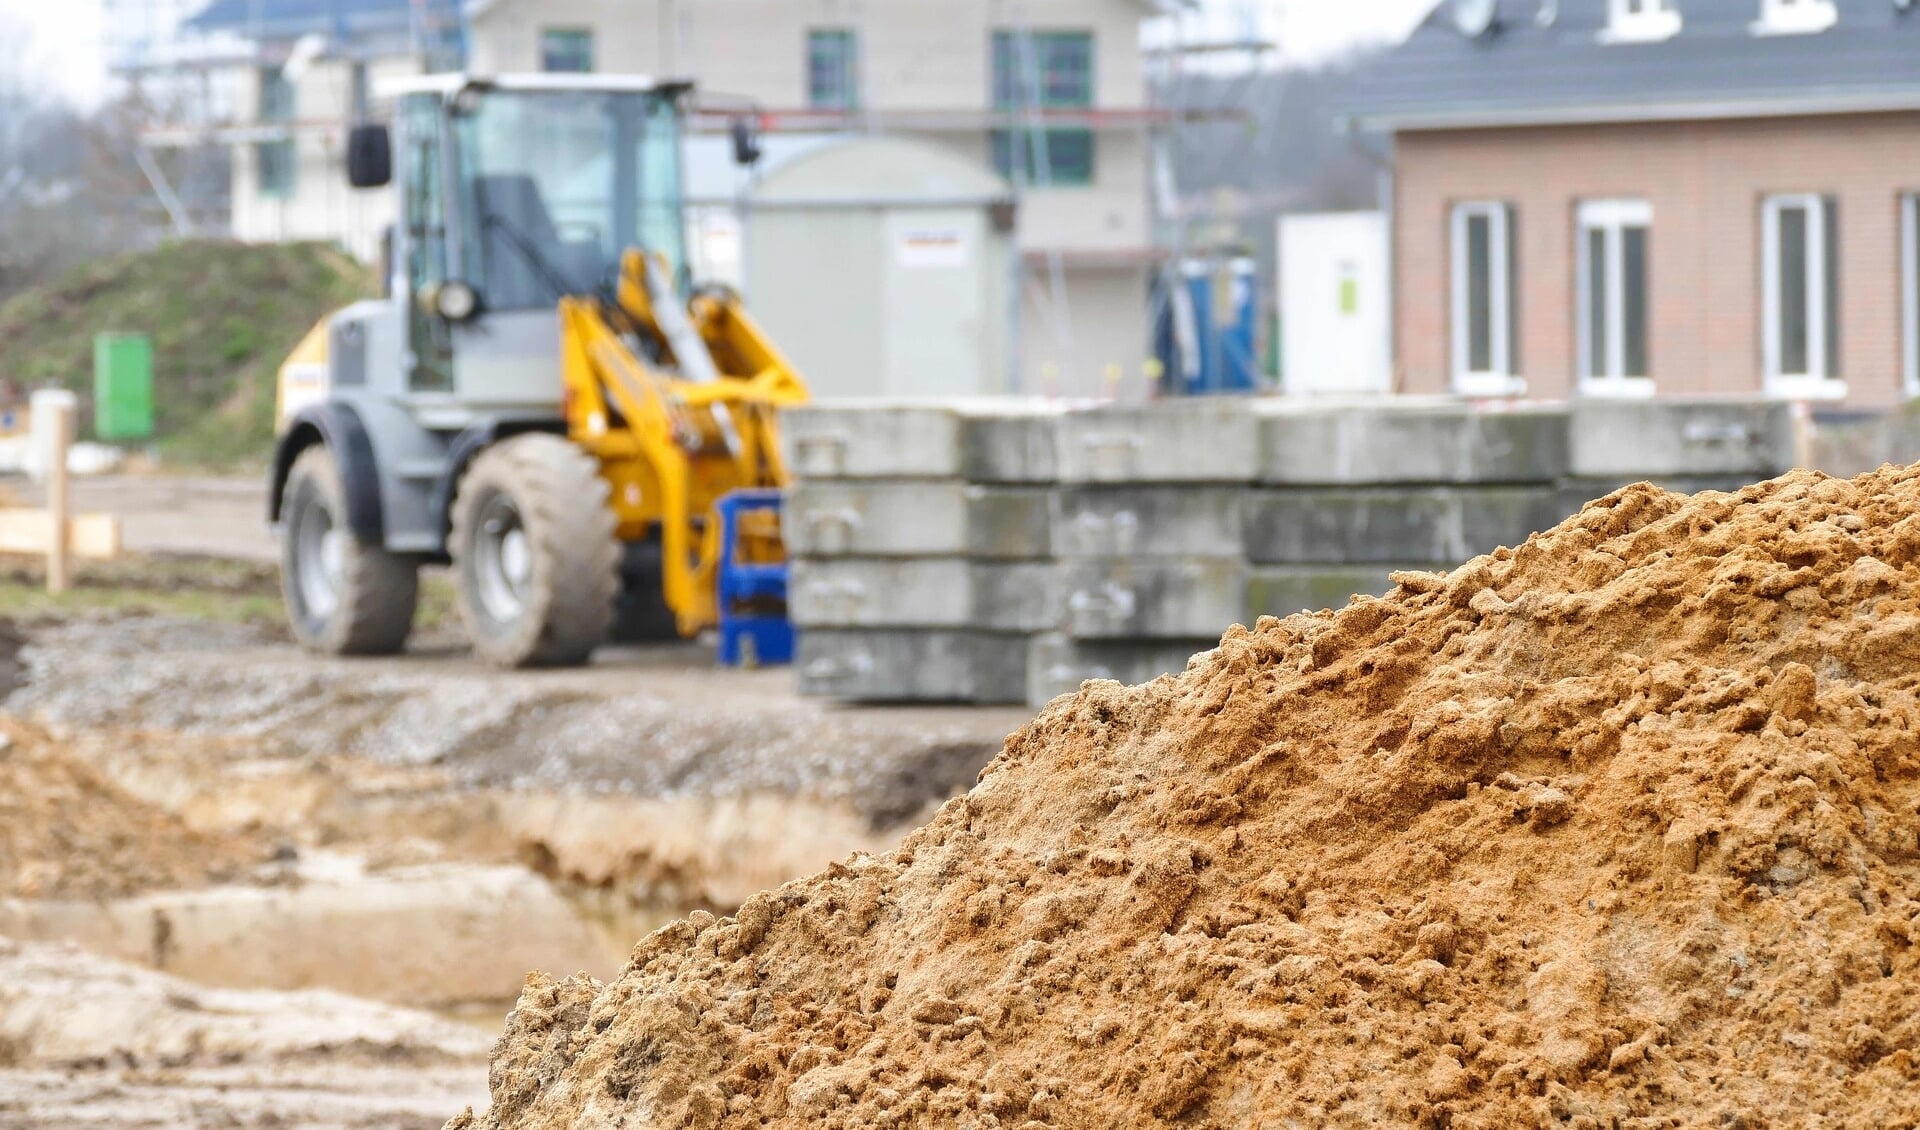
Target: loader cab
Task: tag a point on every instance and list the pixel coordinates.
(513, 193)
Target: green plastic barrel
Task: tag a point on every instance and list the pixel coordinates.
(122, 386)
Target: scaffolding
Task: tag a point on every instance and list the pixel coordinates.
(190, 67)
(1190, 47)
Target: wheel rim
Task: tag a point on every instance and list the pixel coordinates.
(320, 553)
(502, 559)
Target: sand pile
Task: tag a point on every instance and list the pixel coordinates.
(68, 832)
(1621, 829)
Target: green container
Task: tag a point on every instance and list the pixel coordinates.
(122, 386)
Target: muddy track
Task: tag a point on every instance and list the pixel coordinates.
(658, 723)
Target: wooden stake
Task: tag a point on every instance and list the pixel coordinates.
(59, 500)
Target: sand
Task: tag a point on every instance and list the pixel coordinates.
(89, 1042)
(66, 831)
(1617, 829)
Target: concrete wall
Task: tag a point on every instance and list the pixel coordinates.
(1108, 333)
(629, 35)
(916, 56)
(1705, 181)
(321, 205)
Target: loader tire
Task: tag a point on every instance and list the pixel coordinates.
(343, 596)
(534, 553)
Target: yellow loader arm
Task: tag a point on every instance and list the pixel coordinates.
(670, 446)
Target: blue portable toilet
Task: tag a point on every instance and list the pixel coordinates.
(1204, 334)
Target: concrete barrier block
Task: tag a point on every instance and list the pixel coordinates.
(925, 592)
(1282, 590)
(1431, 525)
(863, 439)
(896, 665)
(1142, 598)
(1148, 521)
(1208, 440)
(988, 439)
(934, 518)
(1442, 442)
(1017, 443)
(1057, 664)
(1648, 439)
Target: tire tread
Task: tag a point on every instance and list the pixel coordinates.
(563, 502)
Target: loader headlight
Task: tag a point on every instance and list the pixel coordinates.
(456, 301)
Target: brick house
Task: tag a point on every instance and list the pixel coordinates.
(1656, 197)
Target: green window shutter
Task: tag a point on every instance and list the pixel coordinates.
(566, 50)
(1043, 70)
(833, 69)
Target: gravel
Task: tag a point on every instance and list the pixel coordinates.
(659, 722)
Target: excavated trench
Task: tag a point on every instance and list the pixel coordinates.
(423, 833)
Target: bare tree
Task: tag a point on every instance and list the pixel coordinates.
(70, 186)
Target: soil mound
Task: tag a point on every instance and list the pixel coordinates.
(66, 831)
(1620, 828)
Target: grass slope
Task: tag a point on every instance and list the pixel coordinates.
(222, 317)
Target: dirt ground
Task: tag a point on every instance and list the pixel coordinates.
(409, 838)
(90, 1042)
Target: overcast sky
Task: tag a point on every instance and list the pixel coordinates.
(66, 33)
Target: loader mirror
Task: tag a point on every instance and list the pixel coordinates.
(369, 157)
(746, 141)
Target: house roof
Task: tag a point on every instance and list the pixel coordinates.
(1548, 62)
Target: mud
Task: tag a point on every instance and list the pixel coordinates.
(85, 1041)
(1620, 828)
(659, 722)
(67, 830)
(202, 800)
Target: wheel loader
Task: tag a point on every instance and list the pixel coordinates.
(542, 399)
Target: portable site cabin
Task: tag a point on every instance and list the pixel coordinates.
(885, 267)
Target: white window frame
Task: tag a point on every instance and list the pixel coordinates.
(1500, 380)
(1817, 383)
(1612, 217)
(1654, 21)
(1910, 289)
(1795, 17)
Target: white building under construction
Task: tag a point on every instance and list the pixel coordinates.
(1051, 94)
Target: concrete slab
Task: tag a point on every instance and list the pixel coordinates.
(1645, 439)
(993, 439)
(1058, 664)
(1149, 521)
(912, 665)
(901, 518)
(1282, 590)
(1002, 443)
(871, 439)
(1420, 441)
(928, 592)
(1431, 525)
(1144, 598)
(1205, 440)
